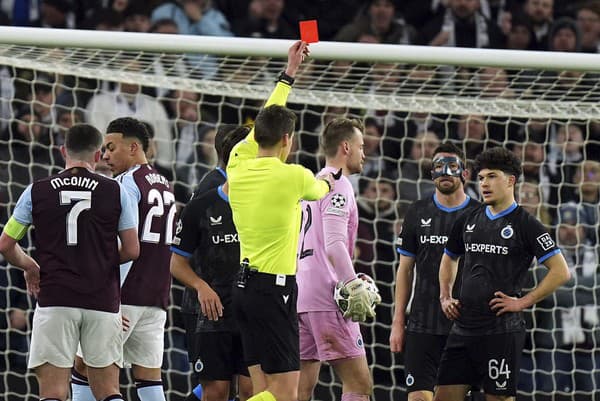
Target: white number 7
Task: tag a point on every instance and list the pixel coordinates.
(83, 201)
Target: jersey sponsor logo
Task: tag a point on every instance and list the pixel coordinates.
(470, 228)
(433, 239)
(225, 239)
(545, 241)
(486, 248)
(410, 380)
(338, 201)
(426, 222)
(507, 232)
(215, 221)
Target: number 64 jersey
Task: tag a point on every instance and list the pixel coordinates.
(148, 280)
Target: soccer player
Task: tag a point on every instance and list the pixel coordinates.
(421, 245)
(324, 259)
(145, 290)
(206, 230)
(78, 216)
(498, 242)
(264, 195)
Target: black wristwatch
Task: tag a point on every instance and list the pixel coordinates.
(285, 78)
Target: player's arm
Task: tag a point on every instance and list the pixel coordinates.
(314, 188)
(14, 230)
(404, 279)
(449, 268)
(558, 274)
(128, 228)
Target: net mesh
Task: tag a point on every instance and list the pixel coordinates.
(549, 118)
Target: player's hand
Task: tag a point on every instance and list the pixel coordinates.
(450, 307)
(210, 303)
(32, 279)
(125, 322)
(502, 303)
(397, 337)
(331, 178)
(296, 54)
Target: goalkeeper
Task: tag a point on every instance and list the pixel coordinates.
(265, 195)
(324, 259)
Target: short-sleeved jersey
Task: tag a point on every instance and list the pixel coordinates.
(497, 250)
(149, 279)
(77, 215)
(265, 195)
(316, 275)
(206, 226)
(424, 234)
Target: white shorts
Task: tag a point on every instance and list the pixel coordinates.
(143, 342)
(57, 331)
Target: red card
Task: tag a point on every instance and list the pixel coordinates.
(309, 32)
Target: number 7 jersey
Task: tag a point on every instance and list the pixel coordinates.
(149, 279)
(316, 276)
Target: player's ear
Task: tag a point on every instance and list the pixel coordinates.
(63, 152)
(97, 156)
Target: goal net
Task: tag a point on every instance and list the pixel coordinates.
(543, 106)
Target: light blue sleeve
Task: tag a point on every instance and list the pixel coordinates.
(129, 211)
(23, 209)
(173, 12)
(128, 182)
(212, 23)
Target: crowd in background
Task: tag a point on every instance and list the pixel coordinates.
(561, 159)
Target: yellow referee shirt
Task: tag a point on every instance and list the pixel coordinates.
(265, 194)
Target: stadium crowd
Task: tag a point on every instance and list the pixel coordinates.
(561, 159)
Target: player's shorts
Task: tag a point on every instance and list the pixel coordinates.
(422, 353)
(266, 314)
(58, 330)
(327, 336)
(493, 360)
(215, 355)
(143, 342)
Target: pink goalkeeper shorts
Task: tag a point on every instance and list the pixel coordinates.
(327, 336)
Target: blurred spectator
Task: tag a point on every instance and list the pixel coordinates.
(533, 156)
(265, 20)
(494, 82)
(415, 171)
(194, 17)
(126, 100)
(378, 24)
(462, 25)
(137, 17)
(372, 148)
(530, 198)
(540, 13)
(329, 22)
(104, 20)
(521, 35)
(471, 135)
(588, 22)
(55, 14)
(167, 64)
(564, 36)
(564, 157)
(587, 181)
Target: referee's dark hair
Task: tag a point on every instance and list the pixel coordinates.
(337, 131)
(272, 123)
(449, 147)
(231, 139)
(83, 139)
(498, 158)
(130, 128)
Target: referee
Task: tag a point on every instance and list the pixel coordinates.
(264, 195)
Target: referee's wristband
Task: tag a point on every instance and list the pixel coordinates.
(285, 78)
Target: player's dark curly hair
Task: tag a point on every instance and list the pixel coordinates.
(498, 158)
(231, 139)
(130, 128)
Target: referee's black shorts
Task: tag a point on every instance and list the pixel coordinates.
(266, 314)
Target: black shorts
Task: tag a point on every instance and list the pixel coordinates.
(266, 314)
(422, 354)
(494, 361)
(215, 355)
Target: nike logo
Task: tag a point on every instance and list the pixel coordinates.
(285, 298)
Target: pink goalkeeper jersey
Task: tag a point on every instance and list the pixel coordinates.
(316, 275)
